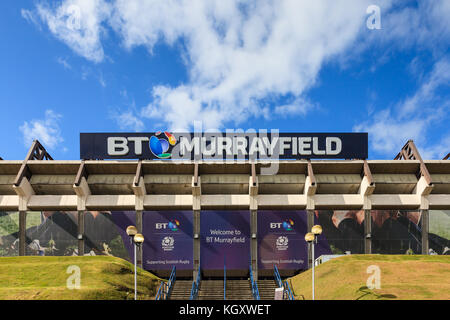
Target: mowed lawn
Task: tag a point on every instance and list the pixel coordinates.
(402, 277)
(46, 278)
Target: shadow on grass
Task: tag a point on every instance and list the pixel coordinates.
(365, 291)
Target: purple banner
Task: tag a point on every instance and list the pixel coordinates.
(225, 237)
(281, 240)
(168, 240)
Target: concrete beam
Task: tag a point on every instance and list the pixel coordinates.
(9, 203)
(168, 200)
(103, 202)
(24, 190)
(423, 188)
(53, 202)
(282, 200)
(83, 191)
(225, 200)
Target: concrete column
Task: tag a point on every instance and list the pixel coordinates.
(254, 242)
(196, 242)
(425, 228)
(22, 232)
(81, 232)
(139, 223)
(310, 224)
(367, 232)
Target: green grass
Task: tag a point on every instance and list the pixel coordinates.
(403, 277)
(45, 278)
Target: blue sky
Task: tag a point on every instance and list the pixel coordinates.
(298, 66)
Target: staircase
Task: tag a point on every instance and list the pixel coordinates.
(236, 290)
(211, 290)
(267, 288)
(181, 290)
(239, 290)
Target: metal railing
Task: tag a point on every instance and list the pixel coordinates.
(166, 287)
(287, 292)
(195, 286)
(254, 284)
(224, 280)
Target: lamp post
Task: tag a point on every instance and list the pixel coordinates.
(132, 232)
(311, 238)
(138, 240)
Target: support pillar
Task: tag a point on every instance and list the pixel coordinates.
(81, 232)
(139, 223)
(310, 224)
(425, 218)
(196, 244)
(367, 232)
(22, 232)
(254, 242)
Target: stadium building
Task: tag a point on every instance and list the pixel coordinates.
(216, 215)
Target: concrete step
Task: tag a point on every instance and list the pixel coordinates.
(181, 290)
(235, 290)
(266, 289)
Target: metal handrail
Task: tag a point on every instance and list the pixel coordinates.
(195, 286)
(166, 287)
(287, 292)
(255, 290)
(277, 277)
(224, 280)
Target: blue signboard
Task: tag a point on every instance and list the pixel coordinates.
(225, 238)
(281, 240)
(168, 240)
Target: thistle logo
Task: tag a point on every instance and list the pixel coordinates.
(282, 243)
(159, 147)
(288, 224)
(167, 243)
(173, 225)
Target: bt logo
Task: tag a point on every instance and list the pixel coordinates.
(287, 225)
(172, 225)
(159, 147)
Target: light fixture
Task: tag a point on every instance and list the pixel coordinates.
(309, 237)
(317, 230)
(131, 231)
(138, 238)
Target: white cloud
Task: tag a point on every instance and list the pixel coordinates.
(30, 16)
(237, 53)
(299, 106)
(64, 63)
(413, 118)
(240, 53)
(46, 130)
(78, 24)
(128, 120)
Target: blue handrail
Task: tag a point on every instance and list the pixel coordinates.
(195, 286)
(166, 287)
(224, 279)
(255, 290)
(277, 277)
(287, 292)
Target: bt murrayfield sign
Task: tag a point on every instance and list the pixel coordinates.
(223, 146)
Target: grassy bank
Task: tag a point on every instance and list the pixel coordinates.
(101, 277)
(403, 277)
